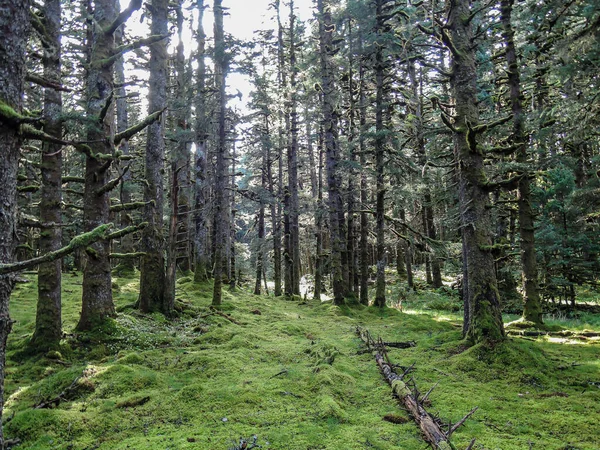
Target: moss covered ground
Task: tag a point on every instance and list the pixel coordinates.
(291, 373)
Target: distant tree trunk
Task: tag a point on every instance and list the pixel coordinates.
(221, 167)
(171, 260)
(126, 265)
(319, 223)
(364, 195)
(353, 276)
(48, 323)
(14, 22)
(232, 238)
(482, 298)
(152, 279)
(326, 29)
(275, 225)
(182, 156)
(293, 162)
(408, 257)
(201, 215)
(261, 224)
(97, 301)
(380, 142)
(532, 308)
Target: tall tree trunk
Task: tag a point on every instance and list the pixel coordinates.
(330, 118)
(364, 195)
(152, 279)
(380, 142)
(319, 223)
(532, 307)
(97, 301)
(481, 296)
(293, 162)
(48, 323)
(275, 224)
(201, 215)
(127, 265)
(351, 225)
(221, 167)
(14, 21)
(182, 156)
(232, 238)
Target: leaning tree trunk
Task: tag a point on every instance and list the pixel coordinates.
(532, 308)
(14, 22)
(48, 323)
(481, 296)
(326, 29)
(152, 279)
(97, 301)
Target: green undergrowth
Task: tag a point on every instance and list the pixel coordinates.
(293, 373)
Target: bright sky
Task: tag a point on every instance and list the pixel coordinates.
(244, 17)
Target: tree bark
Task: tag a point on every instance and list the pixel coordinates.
(14, 21)
(330, 128)
(48, 323)
(201, 215)
(127, 265)
(221, 167)
(532, 306)
(380, 142)
(293, 162)
(481, 295)
(97, 301)
(152, 279)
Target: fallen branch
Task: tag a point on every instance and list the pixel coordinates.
(430, 428)
(63, 396)
(565, 333)
(226, 316)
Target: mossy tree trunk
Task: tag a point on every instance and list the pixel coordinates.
(364, 193)
(482, 301)
(380, 144)
(182, 154)
(293, 161)
(532, 307)
(201, 215)
(126, 265)
(330, 129)
(14, 22)
(152, 279)
(319, 266)
(221, 167)
(48, 323)
(97, 301)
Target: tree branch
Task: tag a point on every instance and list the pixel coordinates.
(134, 5)
(132, 131)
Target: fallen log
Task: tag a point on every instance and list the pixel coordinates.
(430, 428)
(565, 333)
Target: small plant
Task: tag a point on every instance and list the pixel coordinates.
(245, 444)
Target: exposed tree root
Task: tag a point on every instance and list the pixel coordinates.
(430, 426)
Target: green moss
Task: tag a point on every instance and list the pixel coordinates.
(295, 376)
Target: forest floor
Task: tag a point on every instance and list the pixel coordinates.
(293, 374)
